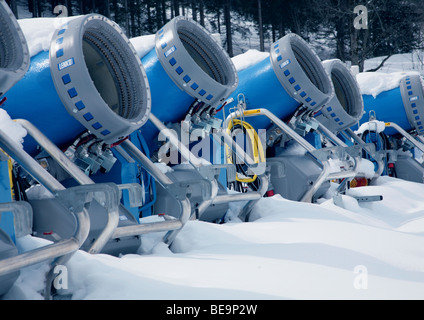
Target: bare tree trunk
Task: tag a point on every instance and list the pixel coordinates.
(261, 27)
(172, 9)
(115, 10)
(194, 9)
(39, 8)
(280, 29)
(163, 7)
(202, 12)
(14, 8)
(354, 56)
(149, 17)
(132, 17)
(365, 50)
(127, 21)
(107, 8)
(227, 18)
(158, 15)
(218, 18)
(176, 8)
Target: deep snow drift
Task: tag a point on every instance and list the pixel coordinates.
(289, 250)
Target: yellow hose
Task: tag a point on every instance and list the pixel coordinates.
(258, 151)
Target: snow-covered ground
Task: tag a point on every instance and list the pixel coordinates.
(288, 250)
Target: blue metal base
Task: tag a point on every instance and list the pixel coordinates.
(6, 221)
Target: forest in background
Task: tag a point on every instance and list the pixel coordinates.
(394, 26)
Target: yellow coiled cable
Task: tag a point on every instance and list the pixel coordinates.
(258, 151)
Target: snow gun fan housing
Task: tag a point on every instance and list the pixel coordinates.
(291, 77)
(186, 65)
(91, 79)
(14, 56)
(403, 105)
(345, 108)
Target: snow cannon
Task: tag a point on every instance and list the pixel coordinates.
(292, 77)
(14, 62)
(90, 79)
(14, 56)
(188, 70)
(298, 99)
(346, 107)
(403, 105)
(394, 122)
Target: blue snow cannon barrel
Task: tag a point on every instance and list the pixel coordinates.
(14, 55)
(291, 77)
(345, 108)
(403, 105)
(91, 79)
(187, 64)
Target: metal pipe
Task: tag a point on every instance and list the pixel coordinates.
(29, 164)
(185, 209)
(289, 131)
(368, 149)
(205, 204)
(75, 172)
(420, 138)
(145, 228)
(331, 135)
(165, 181)
(51, 251)
(69, 166)
(245, 212)
(248, 196)
(325, 174)
(133, 151)
(307, 197)
(173, 139)
(416, 143)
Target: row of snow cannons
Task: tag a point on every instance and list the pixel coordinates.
(177, 134)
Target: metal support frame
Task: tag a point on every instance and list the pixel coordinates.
(76, 199)
(415, 142)
(370, 149)
(111, 202)
(172, 226)
(22, 216)
(111, 199)
(322, 155)
(208, 171)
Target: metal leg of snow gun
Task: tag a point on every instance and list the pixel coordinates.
(321, 155)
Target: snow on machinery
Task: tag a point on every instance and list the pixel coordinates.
(300, 102)
(83, 97)
(190, 76)
(16, 216)
(66, 216)
(394, 122)
(101, 122)
(14, 61)
(81, 101)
